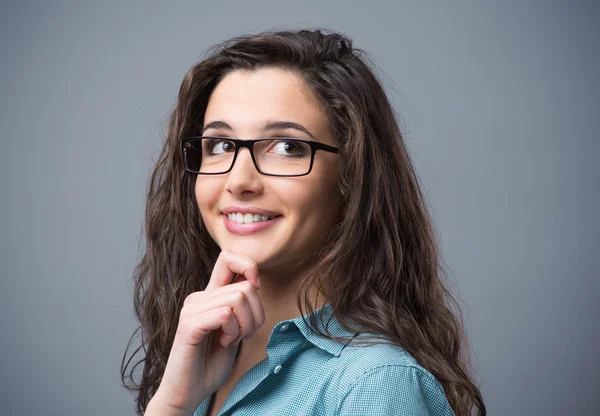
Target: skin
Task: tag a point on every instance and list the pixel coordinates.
(308, 204)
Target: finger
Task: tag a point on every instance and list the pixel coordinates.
(256, 306)
(196, 328)
(227, 265)
(213, 299)
(258, 310)
(230, 329)
(201, 295)
(239, 303)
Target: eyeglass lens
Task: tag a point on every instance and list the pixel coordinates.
(280, 156)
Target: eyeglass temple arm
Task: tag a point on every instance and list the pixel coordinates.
(322, 146)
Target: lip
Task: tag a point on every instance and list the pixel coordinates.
(245, 229)
(249, 209)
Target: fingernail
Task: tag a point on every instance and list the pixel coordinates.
(259, 283)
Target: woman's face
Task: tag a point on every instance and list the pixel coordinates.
(245, 104)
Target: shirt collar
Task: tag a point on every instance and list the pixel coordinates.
(334, 327)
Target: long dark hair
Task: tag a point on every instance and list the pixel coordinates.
(380, 267)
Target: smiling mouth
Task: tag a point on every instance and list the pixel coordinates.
(246, 228)
(248, 218)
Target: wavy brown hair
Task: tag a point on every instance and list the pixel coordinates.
(380, 267)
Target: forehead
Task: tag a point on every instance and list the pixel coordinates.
(246, 100)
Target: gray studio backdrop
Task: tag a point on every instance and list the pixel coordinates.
(499, 102)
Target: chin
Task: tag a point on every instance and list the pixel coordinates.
(254, 249)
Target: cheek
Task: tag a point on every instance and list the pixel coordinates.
(206, 195)
(206, 192)
(315, 205)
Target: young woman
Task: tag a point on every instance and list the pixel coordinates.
(291, 265)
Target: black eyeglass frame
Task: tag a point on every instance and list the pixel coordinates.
(249, 144)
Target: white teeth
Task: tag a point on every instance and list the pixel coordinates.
(248, 218)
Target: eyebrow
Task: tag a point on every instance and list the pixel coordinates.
(268, 126)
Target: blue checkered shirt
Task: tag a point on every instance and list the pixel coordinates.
(305, 374)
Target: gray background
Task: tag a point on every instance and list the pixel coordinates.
(499, 102)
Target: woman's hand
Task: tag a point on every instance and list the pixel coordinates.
(212, 322)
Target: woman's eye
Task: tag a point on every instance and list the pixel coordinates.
(220, 146)
(288, 148)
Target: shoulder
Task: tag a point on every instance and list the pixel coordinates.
(385, 379)
(356, 361)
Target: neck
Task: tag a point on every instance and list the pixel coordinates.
(278, 295)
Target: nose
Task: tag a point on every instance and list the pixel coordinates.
(244, 179)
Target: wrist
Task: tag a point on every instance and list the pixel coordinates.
(157, 407)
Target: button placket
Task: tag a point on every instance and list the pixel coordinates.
(281, 329)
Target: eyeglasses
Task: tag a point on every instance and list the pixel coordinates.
(277, 156)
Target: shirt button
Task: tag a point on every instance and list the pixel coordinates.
(284, 327)
(276, 370)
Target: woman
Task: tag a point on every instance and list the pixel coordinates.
(291, 264)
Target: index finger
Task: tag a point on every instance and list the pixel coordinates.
(227, 265)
